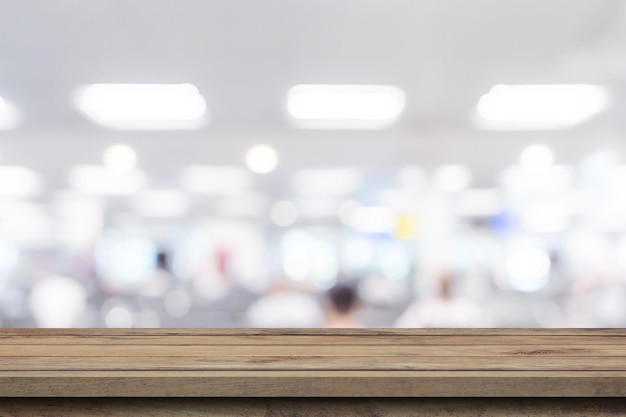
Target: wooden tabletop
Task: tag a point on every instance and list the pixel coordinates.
(312, 363)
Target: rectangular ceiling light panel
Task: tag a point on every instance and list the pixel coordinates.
(143, 106)
(539, 107)
(345, 106)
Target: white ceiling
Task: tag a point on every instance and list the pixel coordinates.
(244, 55)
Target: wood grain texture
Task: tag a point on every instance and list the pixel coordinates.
(313, 363)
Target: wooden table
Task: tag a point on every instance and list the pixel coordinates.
(293, 372)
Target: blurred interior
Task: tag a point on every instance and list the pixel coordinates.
(404, 163)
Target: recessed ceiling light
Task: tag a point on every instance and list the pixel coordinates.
(9, 115)
(120, 159)
(143, 106)
(539, 107)
(261, 159)
(345, 106)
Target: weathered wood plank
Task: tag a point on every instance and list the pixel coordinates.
(308, 386)
(305, 362)
(311, 350)
(325, 363)
(411, 340)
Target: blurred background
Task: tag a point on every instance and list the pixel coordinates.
(403, 163)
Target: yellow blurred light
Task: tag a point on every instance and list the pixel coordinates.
(406, 227)
(261, 159)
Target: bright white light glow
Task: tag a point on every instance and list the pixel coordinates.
(452, 178)
(9, 257)
(26, 224)
(325, 263)
(536, 107)
(528, 269)
(57, 302)
(547, 217)
(345, 106)
(125, 262)
(557, 179)
(585, 251)
(597, 168)
(120, 159)
(79, 217)
(284, 213)
(297, 257)
(162, 203)
(536, 158)
(18, 181)
(358, 254)
(97, 180)
(335, 181)
(393, 260)
(373, 219)
(9, 115)
(306, 256)
(143, 106)
(261, 159)
(215, 180)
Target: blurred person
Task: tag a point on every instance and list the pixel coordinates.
(443, 311)
(342, 306)
(285, 306)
